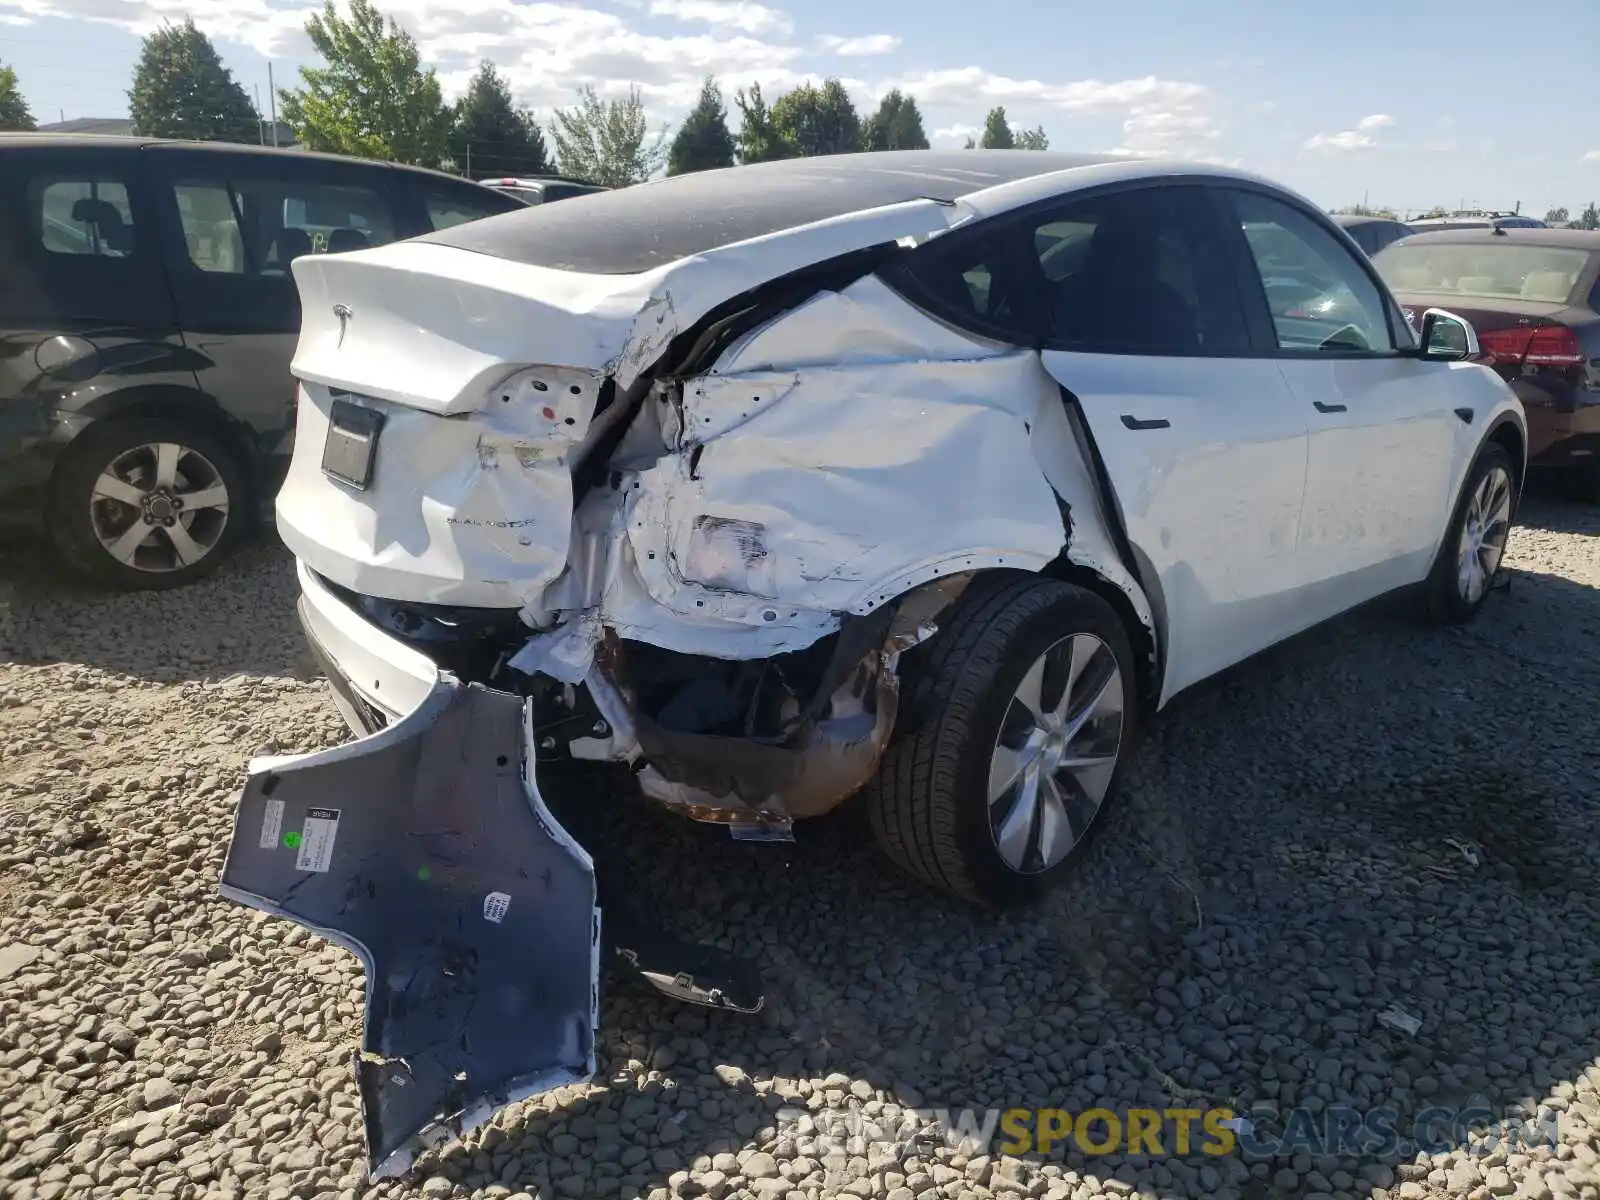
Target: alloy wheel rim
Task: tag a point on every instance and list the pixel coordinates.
(159, 507)
(1055, 754)
(1483, 535)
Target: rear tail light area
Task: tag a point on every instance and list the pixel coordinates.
(1539, 345)
(1554, 345)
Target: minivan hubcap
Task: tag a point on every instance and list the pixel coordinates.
(1056, 752)
(1483, 536)
(159, 507)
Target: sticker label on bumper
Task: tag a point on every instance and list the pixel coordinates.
(271, 824)
(316, 842)
(495, 907)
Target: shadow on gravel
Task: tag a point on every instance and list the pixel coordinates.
(239, 621)
(1545, 507)
(1379, 816)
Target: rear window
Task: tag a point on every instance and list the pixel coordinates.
(1484, 271)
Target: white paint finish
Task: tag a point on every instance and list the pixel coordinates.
(432, 326)
(862, 478)
(1211, 504)
(471, 510)
(384, 671)
(1378, 474)
(864, 323)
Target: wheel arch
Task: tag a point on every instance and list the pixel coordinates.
(146, 401)
(1145, 638)
(1509, 433)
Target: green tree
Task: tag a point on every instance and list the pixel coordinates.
(760, 140)
(703, 143)
(1033, 139)
(373, 99)
(1557, 216)
(970, 144)
(182, 90)
(996, 132)
(1590, 218)
(14, 114)
(897, 125)
(603, 141)
(818, 120)
(492, 135)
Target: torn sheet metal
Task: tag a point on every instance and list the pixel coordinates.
(427, 850)
(854, 484)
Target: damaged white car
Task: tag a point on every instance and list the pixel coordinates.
(921, 475)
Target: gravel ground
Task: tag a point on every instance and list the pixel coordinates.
(1378, 814)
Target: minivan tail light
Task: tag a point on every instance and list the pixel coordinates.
(1554, 345)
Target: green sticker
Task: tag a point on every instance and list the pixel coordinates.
(291, 840)
(423, 873)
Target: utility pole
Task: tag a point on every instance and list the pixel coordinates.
(261, 128)
(272, 99)
(469, 158)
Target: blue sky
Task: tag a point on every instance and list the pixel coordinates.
(1411, 103)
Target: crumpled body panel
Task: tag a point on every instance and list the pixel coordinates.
(427, 850)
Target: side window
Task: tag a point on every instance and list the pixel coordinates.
(1135, 272)
(1320, 298)
(255, 226)
(81, 216)
(448, 208)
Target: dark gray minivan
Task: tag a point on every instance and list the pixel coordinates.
(147, 320)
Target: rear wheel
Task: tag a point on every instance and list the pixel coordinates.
(147, 503)
(1016, 725)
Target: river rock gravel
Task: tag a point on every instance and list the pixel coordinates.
(1358, 871)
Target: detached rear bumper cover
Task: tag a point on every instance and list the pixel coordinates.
(427, 850)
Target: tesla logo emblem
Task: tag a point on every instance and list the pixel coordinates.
(342, 311)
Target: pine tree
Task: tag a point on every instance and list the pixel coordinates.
(818, 120)
(996, 132)
(182, 90)
(703, 143)
(492, 135)
(897, 125)
(760, 140)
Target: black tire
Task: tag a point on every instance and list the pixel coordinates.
(72, 509)
(929, 805)
(1443, 597)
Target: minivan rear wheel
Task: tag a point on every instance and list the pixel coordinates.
(147, 503)
(1016, 723)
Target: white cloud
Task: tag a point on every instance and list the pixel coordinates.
(860, 47)
(736, 14)
(1375, 121)
(8, 19)
(1345, 141)
(1592, 157)
(955, 135)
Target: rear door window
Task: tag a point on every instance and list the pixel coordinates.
(1143, 271)
(250, 225)
(83, 240)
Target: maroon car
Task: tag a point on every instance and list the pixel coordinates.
(1533, 295)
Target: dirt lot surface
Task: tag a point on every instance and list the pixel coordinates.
(1378, 815)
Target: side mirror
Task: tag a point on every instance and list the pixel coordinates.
(1445, 337)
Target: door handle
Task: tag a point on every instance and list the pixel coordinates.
(1133, 422)
(1321, 407)
(1465, 414)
